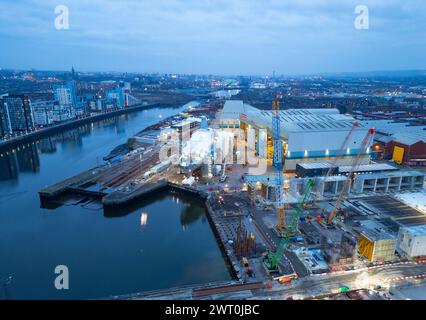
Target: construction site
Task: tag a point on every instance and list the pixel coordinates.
(289, 193)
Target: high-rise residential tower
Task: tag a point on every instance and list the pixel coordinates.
(18, 110)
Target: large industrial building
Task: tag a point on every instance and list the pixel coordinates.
(16, 114)
(399, 141)
(307, 134)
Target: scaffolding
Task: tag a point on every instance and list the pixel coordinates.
(245, 242)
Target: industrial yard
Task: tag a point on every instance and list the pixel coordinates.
(288, 210)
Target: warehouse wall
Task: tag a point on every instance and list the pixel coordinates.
(414, 151)
(411, 245)
(321, 141)
(290, 164)
(418, 150)
(389, 148)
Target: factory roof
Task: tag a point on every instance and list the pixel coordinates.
(334, 178)
(375, 230)
(345, 169)
(402, 132)
(315, 165)
(375, 235)
(369, 168)
(292, 120)
(416, 230)
(382, 138)
(400, 173)
(414, 199)
(408, 138)
(232, 109)
(186, 122)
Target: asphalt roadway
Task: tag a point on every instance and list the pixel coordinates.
(364, 278)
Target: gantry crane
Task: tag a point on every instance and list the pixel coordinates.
(272, 259)
(347, 183)
(278, 165)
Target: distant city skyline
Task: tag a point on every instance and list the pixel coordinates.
(368, 73)
(219, 37)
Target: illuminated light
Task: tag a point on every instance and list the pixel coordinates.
(144, 218)
(306, 153)
(368, 150)
(289, 153)
(327, 152)
(348, 151)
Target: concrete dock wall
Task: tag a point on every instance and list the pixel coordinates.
(220, 241)
(121, 198)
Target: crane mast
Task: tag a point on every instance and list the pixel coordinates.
(342, 147)
(272, 259)
(278, 165)
(334, 162)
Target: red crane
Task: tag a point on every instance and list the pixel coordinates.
(333, 163)
(355, 163)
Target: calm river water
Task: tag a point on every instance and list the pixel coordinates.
(163, 242)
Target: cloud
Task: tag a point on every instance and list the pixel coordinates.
(209, 36)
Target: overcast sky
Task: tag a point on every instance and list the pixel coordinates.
(214, 36)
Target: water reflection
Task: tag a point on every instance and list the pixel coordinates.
(144, 218)
(33, 239)
(48, 145)
(25, 158)
(8, 167)
(28, 160)
(190, 215)
(190, 211)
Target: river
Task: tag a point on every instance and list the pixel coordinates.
(160, 243)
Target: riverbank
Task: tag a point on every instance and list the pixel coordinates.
(207, 110)
(159, 231)
(119, 187)
(4, 145)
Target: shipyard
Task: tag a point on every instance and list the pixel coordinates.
(199, 152)
(312, 208)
